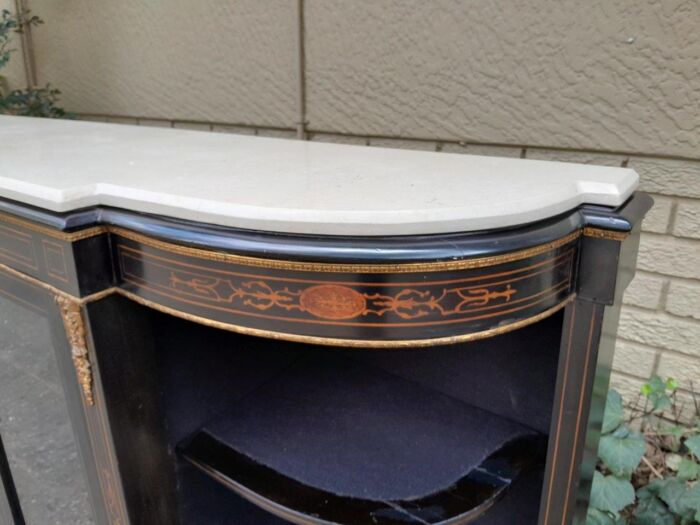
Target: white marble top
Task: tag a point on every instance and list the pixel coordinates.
(286, 185)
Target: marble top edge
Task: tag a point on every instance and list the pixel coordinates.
(288, 186)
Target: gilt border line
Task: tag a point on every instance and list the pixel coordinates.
(608, 235)
(325, 341)
(280, 264)
(128, 251)
(52, 232)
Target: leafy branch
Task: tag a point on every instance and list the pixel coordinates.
(647, 476)
(32, 101)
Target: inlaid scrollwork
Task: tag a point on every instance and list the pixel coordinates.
(333, 301)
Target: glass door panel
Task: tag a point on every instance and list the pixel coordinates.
(34, 423)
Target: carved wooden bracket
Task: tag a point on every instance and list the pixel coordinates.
(71, 312)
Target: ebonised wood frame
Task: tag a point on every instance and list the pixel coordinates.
(410, 291)
(366, 292)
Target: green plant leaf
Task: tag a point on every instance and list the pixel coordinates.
(688, 470)
(673, 494)
(652, 511)
(661, 402)
(613, 415)
(650, 491)
(693, 444)
(598, 517)
(655, 384)
(691, 498)
(655, 391)
(674, 431)
(622, 451)
(688, 519)
(611, 494)
(668, 501)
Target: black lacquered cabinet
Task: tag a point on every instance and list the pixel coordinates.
(40, 414)
(221, 375)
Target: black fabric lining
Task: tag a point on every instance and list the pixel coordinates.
(467, 500)
(330, 428)
(426, 385)
(357, 431)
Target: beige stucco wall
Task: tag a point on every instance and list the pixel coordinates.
(601, 82)
(616, 76)
(217, 60)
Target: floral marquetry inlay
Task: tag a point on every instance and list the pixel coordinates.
(407, 305)
(332, 301)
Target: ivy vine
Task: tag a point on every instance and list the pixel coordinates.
(649, 462)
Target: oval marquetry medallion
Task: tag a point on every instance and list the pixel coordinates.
(330, 301)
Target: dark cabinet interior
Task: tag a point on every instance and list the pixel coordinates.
(254, 430)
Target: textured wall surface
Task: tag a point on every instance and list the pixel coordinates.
(597, 82)
(216, 60)
(617, 76)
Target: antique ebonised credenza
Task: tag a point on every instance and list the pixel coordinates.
(262, 331)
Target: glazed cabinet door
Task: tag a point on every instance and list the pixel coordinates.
(42, 476)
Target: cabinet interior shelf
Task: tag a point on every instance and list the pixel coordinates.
(333, 440)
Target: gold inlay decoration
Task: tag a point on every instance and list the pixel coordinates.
(328, 341)
(352, 343)
(461, 264)
(608, 235)
(278, 264)
(333, 301)
(51, 232)
(71, 312)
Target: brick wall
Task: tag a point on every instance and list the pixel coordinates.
(660, 322)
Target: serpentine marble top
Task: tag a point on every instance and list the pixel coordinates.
(285, 185)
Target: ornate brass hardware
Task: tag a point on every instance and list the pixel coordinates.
(71, 313)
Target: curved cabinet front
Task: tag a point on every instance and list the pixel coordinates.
(376, 304)
(392, 292)
(348, 304)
